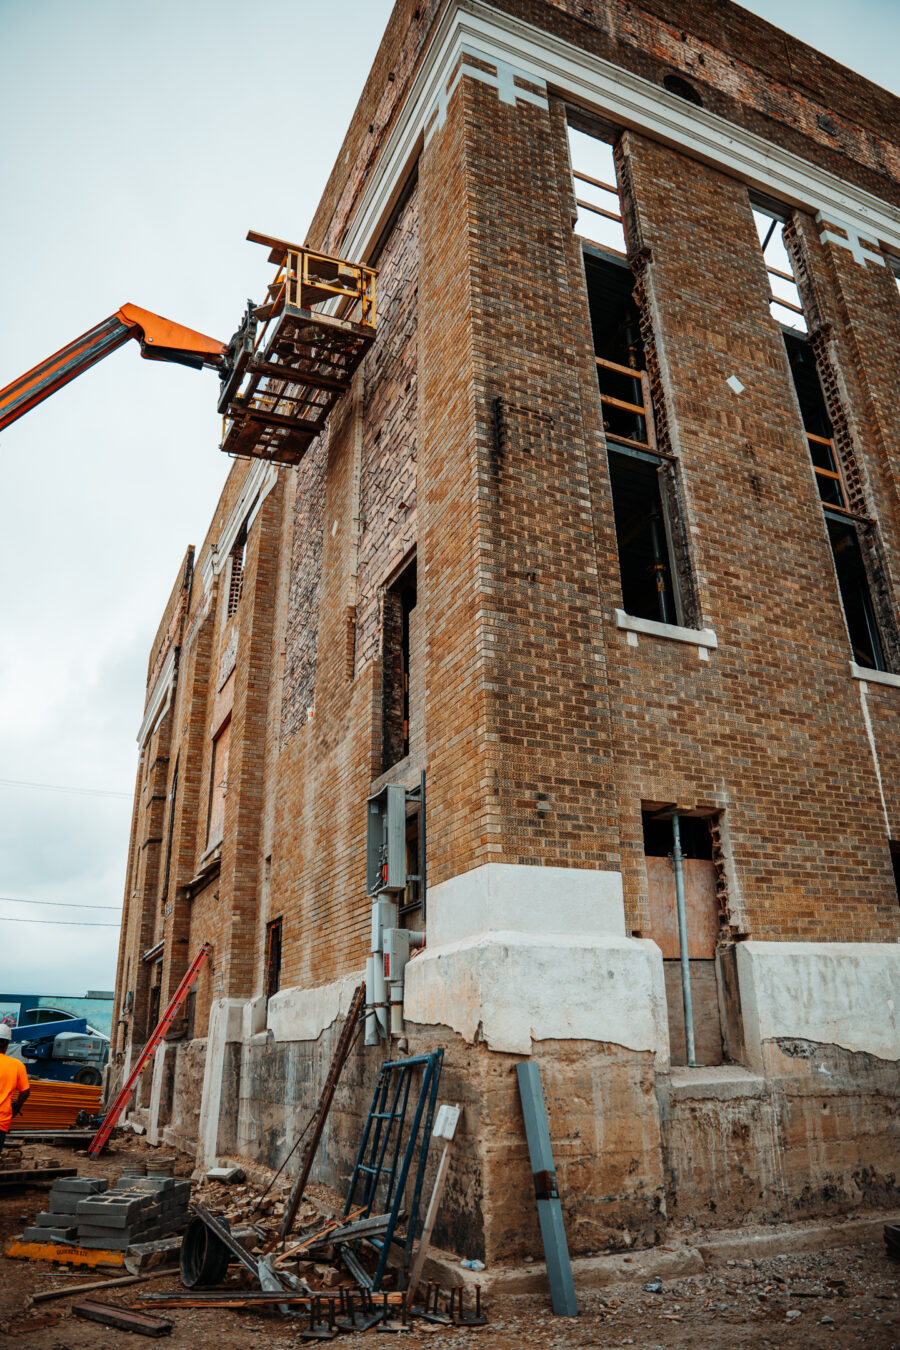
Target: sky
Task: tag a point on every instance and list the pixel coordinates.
(138, 144)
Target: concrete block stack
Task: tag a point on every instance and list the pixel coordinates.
(90, 1213)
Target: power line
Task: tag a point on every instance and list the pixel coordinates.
(59, 787)
(62, 923)
(59, 904)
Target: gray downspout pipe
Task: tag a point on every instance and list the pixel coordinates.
(683, 943)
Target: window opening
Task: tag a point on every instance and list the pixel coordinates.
(636, 466)
(843, 532)
(218, 785)
(895, 860)
(785, 306)
(399, 602)
(856, 597)
(597, 197)
(273, 957)
(153, 1017)
(843, 529)
(819, 431)
(236, 583)
(170, 833)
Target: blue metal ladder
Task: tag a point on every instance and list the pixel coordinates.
(387, 1155)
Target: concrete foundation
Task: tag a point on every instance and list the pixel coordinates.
(640, 1147)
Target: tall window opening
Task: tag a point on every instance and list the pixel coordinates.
(170, 833)
(398, 604)
(895, 860)
(273, 957)
(599, 218)
(845, 530)
(218, 785)
(236, 579)
(637, 470)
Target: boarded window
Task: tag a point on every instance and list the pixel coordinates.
(218, 785)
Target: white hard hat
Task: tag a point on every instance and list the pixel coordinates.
(5, 1032)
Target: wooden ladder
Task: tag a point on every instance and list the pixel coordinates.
(338, 1061)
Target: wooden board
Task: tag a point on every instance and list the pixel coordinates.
(701, 907)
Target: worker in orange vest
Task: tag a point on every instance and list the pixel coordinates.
(14, 1087)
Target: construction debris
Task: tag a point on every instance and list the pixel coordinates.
(86, 1211)
(45, 1296)
(123, 1319)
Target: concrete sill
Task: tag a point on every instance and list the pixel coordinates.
(704, 639)
(874, 676)
(721, 1082)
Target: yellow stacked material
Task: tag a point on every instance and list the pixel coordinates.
(54, 1106)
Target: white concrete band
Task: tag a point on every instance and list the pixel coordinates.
(833, 993)
(506, 897)
(303, 1014)
(510, 989)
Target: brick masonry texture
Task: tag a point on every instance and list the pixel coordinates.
(473, 439)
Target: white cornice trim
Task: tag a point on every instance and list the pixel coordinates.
(257, 485)
(159, 698)
(629, 100)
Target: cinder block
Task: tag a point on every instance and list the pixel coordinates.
(113, 1214)
(79, 1185)
(35, 1234)
(64, 1204)
(118, 1244)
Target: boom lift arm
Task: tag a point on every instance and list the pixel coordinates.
(159, 339)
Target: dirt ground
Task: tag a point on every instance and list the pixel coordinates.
(843, 1298)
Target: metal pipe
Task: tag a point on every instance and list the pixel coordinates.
(683, 942)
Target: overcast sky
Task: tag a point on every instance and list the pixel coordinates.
(139, 143)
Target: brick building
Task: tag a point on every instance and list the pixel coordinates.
(602, 537)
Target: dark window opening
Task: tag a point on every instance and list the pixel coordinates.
(819, 431)
(856, 597)
(895, 859)
(399, 602)
(696, 837)
(153, 1016)
(273, 957)
(644, 561)
(169, 834)
(635, 467)
(236, 584)
(844, 535)
(676, 84)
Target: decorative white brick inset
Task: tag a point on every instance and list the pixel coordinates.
(504, 81)
(856, 243)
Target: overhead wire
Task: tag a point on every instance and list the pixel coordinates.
(60, 787)
(59, 904)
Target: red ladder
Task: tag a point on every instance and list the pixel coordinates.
(149, 1050)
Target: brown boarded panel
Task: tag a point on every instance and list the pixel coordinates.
(700, 904)
(705, 1000)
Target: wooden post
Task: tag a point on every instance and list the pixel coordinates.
(444, 1128)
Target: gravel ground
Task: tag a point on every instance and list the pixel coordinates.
(843, 1298)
